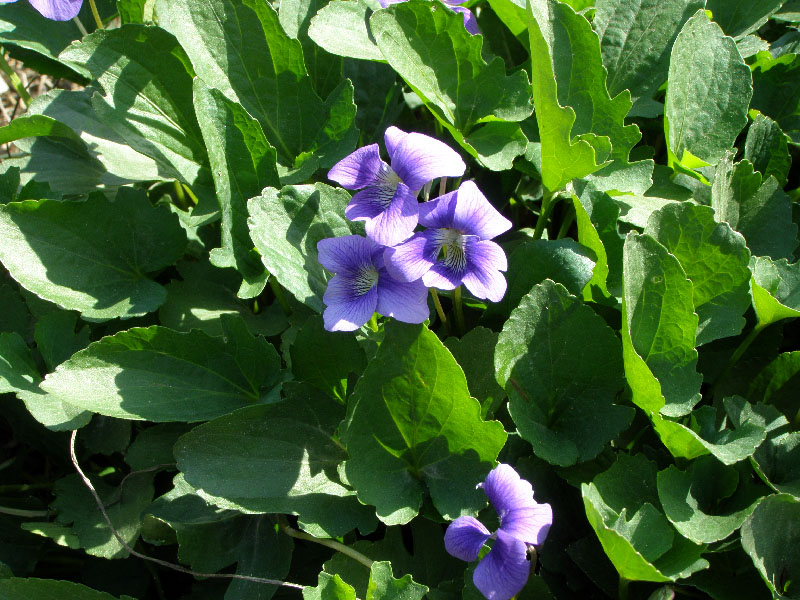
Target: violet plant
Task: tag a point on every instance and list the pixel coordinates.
(221, 370)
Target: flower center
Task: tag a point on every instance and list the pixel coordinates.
(365, 280)
(387, 184)
(452, 252)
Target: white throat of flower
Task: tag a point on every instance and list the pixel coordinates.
(387, 181)
(366, 279)
(453, 244)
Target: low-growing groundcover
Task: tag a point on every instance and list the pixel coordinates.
(291, 291)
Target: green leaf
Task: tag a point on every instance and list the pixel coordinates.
(411, 424)
(636, 38)
(56, 338)
(766, 148)
(242, 50)
(324, 68)
(383, 586)
(429, 47)
(775, 84)
(14, 315)
(60, 534)
(596, 215)
(563, 261)
(700, 501)
(243, 163)
(771, 536)
(658, 330)
(196, 377)
(569, 149)
(145, 96)
(106, 435)
(727, 445)
(740, 17)
(642, 546)
(200, 300)
(708, 93)
(325, 359)
(286, 226)
(776, 289)
(714, 258)
(15, 588)
(98, 268)
(76, 506)
(330, 587)
(153, 446)
(37, 126)
(761, 212)
(474, 353)
(560, 366)
(292, 440)
(777, 384)
(341, 27)
(18, 370)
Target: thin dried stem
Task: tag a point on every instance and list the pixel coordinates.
(157, 561)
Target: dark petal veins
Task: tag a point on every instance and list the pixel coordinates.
(345, 255)
(346, 309)
(406, 302)
(359, 169)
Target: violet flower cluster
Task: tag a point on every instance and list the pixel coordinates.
(390, 271)
(524, 523)
(57, 10)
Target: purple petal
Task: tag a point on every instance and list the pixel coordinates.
(58, 10)
(470, 22)
(483, 279)
(466, 210)
(418, 159)
(345, 254)
(359, 169)
(465, 537)
(347, 309)
(406, 302)
(439, 212)
(393, 135)
(512, 498)
(443, 277)
(385, 224)
(503, 572)
(474, 215)
(385, 3)
(412, 259)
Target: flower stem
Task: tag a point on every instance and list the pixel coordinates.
(544, 213)
(442, 186)
(15, 80)
(459, 310)
(98, 21)
(80, 26)
(622, 593)
(566, 224)
(279, 295)
(346, 550)
(438, 305)
(19, 512)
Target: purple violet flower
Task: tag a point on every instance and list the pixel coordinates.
(361, 286)
(388, 200)
(456, 247)
(57, 10)
(470, 22)
(503, 572)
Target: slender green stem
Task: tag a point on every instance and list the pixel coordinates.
(97, 20)
(15, 80)
(80, 26)
(19, 512)
(544, 213)
(737, 354)
(279, 295)
(427, 191)
(438, 305)
(180, 195)
(566, 224)
(346, 550)
(442, 186)
(622, 593)
(24, 487)
(459, 309)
